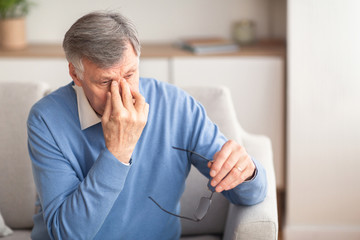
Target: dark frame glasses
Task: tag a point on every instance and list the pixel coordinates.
(204, 203)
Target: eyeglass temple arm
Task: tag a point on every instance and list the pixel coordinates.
(199, 155)
(173, 214)
(192, 152)
(212, 193)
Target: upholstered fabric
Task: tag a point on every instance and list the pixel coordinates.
(219, 107)
(19, 235)
(214, 99)
(17, 189)
(259, 221)
(202, 237)
(214, 221)
(240, 222)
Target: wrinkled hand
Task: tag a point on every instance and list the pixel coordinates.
(231, 166)
(123, 120)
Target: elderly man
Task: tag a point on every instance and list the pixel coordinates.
(103, 144)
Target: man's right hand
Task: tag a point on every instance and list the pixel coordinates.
(124, 119)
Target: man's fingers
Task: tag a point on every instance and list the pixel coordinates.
(220, 158)
(122, 123)
(140, 103)
(225, 169)
(126, 96)
(115, 97)
(146, 113)
(107, 110)
(231, 166)
(234, 178)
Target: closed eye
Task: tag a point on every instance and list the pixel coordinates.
(128, 76)
(106, 82)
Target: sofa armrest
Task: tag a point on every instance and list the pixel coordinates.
(259, 221)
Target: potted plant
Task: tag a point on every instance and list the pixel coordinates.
(12, 23)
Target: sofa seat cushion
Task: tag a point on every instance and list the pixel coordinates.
(19, 235)
(202, 237)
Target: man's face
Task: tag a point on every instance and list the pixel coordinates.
(96, 81)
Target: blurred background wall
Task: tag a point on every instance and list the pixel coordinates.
(323, 99)
(161, 20)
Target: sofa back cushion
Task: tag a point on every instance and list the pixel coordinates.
(219, 107)
(215, 220)
(17, 189)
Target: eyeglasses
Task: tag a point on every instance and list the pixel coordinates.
(204, 203)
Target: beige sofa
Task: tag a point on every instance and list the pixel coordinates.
(223, 221)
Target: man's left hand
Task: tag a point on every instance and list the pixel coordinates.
(232, 166)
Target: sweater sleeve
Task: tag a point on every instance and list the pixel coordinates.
(207, 140)
(71, 206)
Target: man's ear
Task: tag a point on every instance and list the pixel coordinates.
(73, 75)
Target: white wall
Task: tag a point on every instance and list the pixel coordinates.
(159, 20)
(323, 193)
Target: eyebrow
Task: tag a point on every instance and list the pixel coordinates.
(132, 69)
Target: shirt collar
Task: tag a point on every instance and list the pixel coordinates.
(87, 116)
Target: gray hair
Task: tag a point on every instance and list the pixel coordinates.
(101, 37)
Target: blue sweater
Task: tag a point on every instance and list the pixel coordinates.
(86, 193)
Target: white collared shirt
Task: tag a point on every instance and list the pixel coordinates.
(87, 116)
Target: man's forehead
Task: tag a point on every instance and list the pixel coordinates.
(123, 65)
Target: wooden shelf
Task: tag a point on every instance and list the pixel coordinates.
(261, 48)
(36, 51)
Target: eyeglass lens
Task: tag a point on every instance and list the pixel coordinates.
(203, 207)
